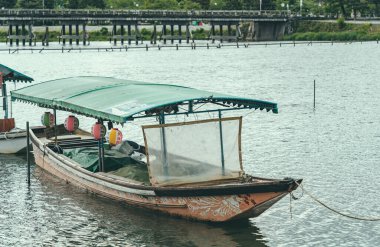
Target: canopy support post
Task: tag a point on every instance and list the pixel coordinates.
(221, 141)
(27, 150)
(55, 126)
(101, 155)
(4, 94)
(163, 144)
(314, 96)
(101, 152)
(191, 104)
(10, 102)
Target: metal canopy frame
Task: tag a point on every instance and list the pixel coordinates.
(8, 74)
(132, 99)
(13, 75)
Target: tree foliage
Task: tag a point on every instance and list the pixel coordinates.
(29, 4)
(125, 4)
(204, 4)
(161, 4)
(72, 4)
(8, 4)
(332, 8)
(49, 4)
(99, 4)
(189, 5)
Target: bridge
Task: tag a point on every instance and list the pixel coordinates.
(263, 25)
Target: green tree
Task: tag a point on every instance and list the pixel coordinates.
(217, 4)
(331, 7)
(342, 7)
(49, 4)
(188, 4)
(361, 6)
(7, 4)
(99, 4)
(251, 4)
(205, 4)
(375, 7)
(72, 4)
(161, 4)
(129, 4)
(234, 4)
(30, 4)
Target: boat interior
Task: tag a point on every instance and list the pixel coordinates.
(126, 161)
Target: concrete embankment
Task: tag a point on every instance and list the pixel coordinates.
(339, 30)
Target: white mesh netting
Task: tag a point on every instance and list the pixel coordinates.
(191, 152)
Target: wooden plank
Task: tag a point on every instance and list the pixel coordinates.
(115, 177)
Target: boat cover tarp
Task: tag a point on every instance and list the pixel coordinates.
(13, 75)
(119, 100)
(114, 162)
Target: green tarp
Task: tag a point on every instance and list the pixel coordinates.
(114, 163)
(120, 100)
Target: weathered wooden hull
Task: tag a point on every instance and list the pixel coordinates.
(11, 143)
(218, 203)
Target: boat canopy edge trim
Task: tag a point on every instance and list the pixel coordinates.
(129, 98)
(13, 75)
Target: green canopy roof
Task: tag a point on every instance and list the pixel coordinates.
(13, 75)
(120, 100)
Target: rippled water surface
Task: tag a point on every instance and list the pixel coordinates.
(335, 149)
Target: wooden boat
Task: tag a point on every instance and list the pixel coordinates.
(193, 169)
(12, 139)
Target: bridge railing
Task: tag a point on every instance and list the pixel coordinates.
(45, 13)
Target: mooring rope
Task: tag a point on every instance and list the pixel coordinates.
(334, 210)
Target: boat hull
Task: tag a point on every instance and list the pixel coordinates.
(209, 206)
(11, 143)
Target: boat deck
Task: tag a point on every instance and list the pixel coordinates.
(68, 137)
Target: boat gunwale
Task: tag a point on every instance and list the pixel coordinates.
(4, 136)
(227, 189)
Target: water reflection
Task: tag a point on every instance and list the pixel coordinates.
(52, 212)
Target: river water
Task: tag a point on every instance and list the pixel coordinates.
(334, 148)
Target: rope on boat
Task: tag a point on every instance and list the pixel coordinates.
(334, 210)
(292, 197)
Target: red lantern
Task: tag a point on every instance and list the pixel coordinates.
(98, 130)
(71, 123)
(115, 137)
(47, 119)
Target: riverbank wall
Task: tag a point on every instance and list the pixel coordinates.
(332, 31)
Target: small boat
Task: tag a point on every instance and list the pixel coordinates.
(12, 139)
(187, 168)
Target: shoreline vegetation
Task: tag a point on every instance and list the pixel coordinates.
(333, 31)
